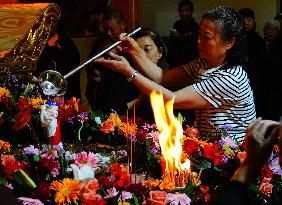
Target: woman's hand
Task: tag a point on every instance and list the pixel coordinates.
(117, 63)
(129, 45)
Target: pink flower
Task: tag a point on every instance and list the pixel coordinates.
(124, 194)
(89, 193)
(48, 164)
(108, 126)
(30, 201)
(89, 159)
(178, 198)
(265, 186)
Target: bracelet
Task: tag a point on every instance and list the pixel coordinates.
(134, 74)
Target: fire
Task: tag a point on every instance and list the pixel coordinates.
(171, 134)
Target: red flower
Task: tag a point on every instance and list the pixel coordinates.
(141, 135)
(266, 172)
(42, 192)
(191, 146)
(10, 165)
(211, 151)
(115, 169)
(22, 118)
(265, 186)
(108, 126)
(119, 177)
(191, 132)
(137, 189)
(1, 121)
(68, 110)
(104, 181)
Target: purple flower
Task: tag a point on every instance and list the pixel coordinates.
(274, 165)
(229, 142)
(70, 120)
(82, 117)
(224, 158)
(155, 150)
(178, 198)
(31, 150)
(225, 127)
(122, 153)
(60, 148)
(23, 86)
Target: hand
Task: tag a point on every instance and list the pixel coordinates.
(117, 63)
(129, 45)
(259, 144)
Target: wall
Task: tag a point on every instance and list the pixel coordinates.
(161, 14)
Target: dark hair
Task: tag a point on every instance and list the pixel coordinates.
(247, 13)
(230, 24)
(155, 36)
(115, 14)
(186, 3)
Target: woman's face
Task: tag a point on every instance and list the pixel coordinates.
(249, 23)
(270, 33)
(210, 45)
(185, 12)
(150, 48)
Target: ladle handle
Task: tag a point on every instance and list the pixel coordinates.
(99, 54)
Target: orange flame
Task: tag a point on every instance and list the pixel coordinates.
(171, 134)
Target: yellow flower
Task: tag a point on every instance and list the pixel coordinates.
(3, 92)
(67, 190)
(5, 146)
(36, 102)
(28, 87)
(167, 185)
(128, 129)
(123, 203)
(116, 118)
(151, 183)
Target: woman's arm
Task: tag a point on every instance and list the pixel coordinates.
(184, 98)
(169, 77)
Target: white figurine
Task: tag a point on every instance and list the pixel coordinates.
(49, 119)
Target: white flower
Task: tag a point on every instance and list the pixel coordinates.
(84, 174)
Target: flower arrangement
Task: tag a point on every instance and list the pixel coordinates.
(100, 174)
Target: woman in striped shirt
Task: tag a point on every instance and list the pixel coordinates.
(215, 85)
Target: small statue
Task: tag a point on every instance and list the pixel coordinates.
(49, 119)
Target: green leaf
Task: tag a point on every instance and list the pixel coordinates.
(180, 118)
(201, 164)
(190, 188)
(135, 199)
(36, 157)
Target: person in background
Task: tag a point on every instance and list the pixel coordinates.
(107, 90)
(61, 54)
(183, 37)
(153, 46)
(261, 136)
(273, 76)
(278, 17)
(215, 85)
(270, 31)
(256, 59)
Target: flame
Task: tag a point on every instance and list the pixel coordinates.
(171, 134)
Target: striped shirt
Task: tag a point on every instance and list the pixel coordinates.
(229, 91)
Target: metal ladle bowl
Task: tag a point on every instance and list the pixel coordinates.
(53, 83)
